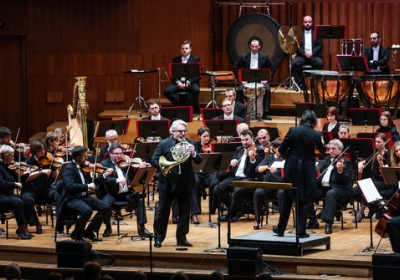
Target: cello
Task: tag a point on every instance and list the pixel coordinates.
(391, 212)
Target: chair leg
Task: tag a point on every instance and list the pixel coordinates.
(6, 228)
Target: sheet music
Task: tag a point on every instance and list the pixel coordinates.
(369, 190)
(278, 164)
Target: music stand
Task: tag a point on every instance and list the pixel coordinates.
(184, 72)
(374, 202)
(329, 32)
(145, 151)
(121, 126)
(352, 63)
(256, 76)
(365, 116)
(210, 164)
(359, 147)
(184, 113)
(218, 166)
(221, 127)
(327, 136)
(139, 97)
(213, 75)
(142, 179)
(372, 135)
(150, 128)
(210, 113)
(319, 109)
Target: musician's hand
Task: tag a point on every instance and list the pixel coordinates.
(309, 54)
(360, 167)
(46, 171)
(234, 162)
(91, 187)
(339, 167)
(121, 180)
(244, 82)
(181, 85)
(252, 155)
(191, 149)
(272, 170)
(18, 185)
(108, 172)
(264, 82)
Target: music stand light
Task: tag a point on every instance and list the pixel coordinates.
(121, 126)
(184, 113)
(365, 116)
(148, 128)
(222, 127)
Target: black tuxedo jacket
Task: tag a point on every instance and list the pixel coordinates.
(148, 118)
(192, 58)
(244, 62)
(382, 62)
(249, 167)
(240, 110)
(168, 183)
(316, 45)
(343, 180)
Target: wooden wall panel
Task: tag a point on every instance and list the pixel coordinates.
(101, 38)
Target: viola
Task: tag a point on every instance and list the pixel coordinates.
(206, 147)
(391, 211)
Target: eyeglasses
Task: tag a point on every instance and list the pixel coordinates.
(181, 131)
(226, 105)
(118, 154)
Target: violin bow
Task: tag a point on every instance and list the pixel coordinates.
(95, 163)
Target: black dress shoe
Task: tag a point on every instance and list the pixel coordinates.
(256, 225)
(90, 235)
(328, 228)
(267, 117)
(223, 218)
(39, 229)
(107, 232)
(75, 236)
(174, 219)
(303, 235)
(312, 225)
(142, 231)
(277, 232)
(184, 243)
(157, 244)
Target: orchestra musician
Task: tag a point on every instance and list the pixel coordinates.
(335, 184)
(242, 168)
(377, 55)
(299, 147)
(308, 52)
(239, 109)
(270, 174)
(190, 85)
(254, 59)
(393, 224)
(370, 168)
(75, 197)
(228, 112)
(387, 125)
(5, 136)
(263, 138)
(38, 184)
(116, 188)
(333, 124)
(344, 131)
(154, 110)
(111, 138)
(178, 183)
(21, 205)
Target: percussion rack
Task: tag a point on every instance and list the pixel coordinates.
(252, 5)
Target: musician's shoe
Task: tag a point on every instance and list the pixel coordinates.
(184, 243)
(157, 244)
(304, 235)
(142, 231)
(90, 235)
(107, 232)
(266, 117)
(174, 219)
(359, 217)
(256, 225)
(312, 225)
(75, 236)
(328, 228)
(277, 232)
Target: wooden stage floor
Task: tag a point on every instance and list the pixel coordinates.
(343, 259)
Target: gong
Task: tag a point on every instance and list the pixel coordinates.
(249, 26)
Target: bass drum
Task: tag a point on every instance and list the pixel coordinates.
(249, 26)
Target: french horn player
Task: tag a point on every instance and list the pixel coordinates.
(174, 156)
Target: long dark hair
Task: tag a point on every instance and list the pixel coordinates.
(308, 118)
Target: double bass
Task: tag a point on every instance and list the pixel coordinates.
(77, 114)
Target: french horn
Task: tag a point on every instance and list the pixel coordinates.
(180, 154)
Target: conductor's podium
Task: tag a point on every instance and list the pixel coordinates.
(290, 244)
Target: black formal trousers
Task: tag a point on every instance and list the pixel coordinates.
(288, 196)
(165, 199)
(332, 197)
(393, 229)
(21, 205)
(84, 208)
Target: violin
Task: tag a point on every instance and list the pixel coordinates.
(21, 167)
(49, 159)
(206, 147)
(133, 162)
(89, 167)
(391, 211)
